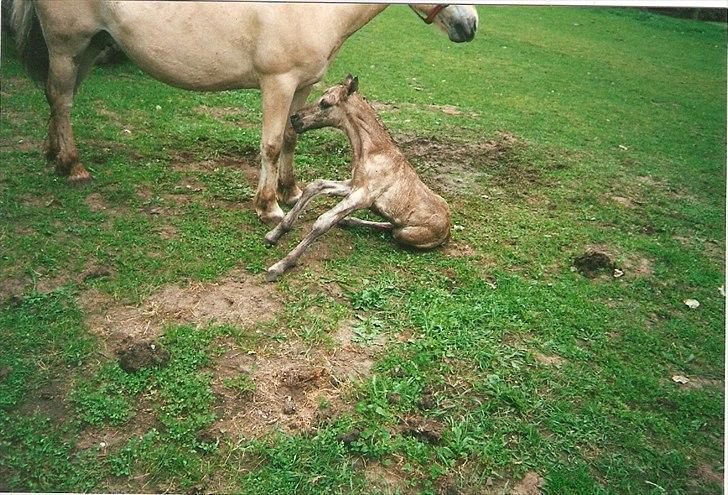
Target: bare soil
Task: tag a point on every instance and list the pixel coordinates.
(296, 387)
(530, 485)
(456, 167)
(238, 299)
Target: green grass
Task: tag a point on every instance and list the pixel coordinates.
(619, 124)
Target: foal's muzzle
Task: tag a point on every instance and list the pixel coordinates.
(297, 123)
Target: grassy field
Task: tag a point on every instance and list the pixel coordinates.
(488, 366)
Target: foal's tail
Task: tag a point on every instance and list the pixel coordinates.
(31, 44)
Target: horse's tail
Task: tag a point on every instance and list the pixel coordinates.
(31, 44)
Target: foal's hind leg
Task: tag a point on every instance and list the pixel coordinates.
(357, 222)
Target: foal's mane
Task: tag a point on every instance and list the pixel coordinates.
(371, 112)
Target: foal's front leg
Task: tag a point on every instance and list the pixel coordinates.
(320, 186)
(357, 200)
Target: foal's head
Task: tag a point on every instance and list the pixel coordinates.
(328, 110)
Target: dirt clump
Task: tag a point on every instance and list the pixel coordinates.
(530, 485)
(425, 430)
(593, 263)
(134, 356)
(349, 437)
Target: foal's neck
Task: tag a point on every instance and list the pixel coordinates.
(366, 133)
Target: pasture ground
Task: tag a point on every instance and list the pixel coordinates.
(489, 366)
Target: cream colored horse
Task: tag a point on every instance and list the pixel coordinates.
(283, 49)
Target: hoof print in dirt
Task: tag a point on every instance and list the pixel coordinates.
(134, 356)
(424, 430)
(593, 263)
(289, 407)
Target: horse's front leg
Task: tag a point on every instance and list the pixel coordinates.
(277, 94)
(60, 145)
(288, 190)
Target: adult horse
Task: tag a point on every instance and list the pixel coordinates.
(283, 49)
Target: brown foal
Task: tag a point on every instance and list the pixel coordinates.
(382, 180)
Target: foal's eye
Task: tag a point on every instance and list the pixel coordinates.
(324, 104)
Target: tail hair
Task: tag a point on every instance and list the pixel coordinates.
(31, 45)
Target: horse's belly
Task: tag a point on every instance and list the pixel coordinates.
(191, 46)
(203, 72)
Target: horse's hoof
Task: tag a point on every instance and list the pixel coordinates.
(78, 174)
(290, 196)
(272, 216)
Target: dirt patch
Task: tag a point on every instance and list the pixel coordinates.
(593, 263)
(22, 144)
(459, 166)
(167, 231)
(386, 479)
(95, 202)
(705, 472)
(135, 355)
(638, 267)
(292, 390)
(458, 250)
(547, 360)
(12, 288)
(247, 160)
(697, 382)
(238, 299)
(94, 271)
(384, 107)
(621, 200)
(49, 401)
(40, 201)
(530, 485)
(425, 430)
(109, 438)
(713, 249)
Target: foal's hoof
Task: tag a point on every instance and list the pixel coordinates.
(78, 174)
(272, 274)
(271, 237)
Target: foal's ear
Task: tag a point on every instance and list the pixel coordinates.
(352, 84)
